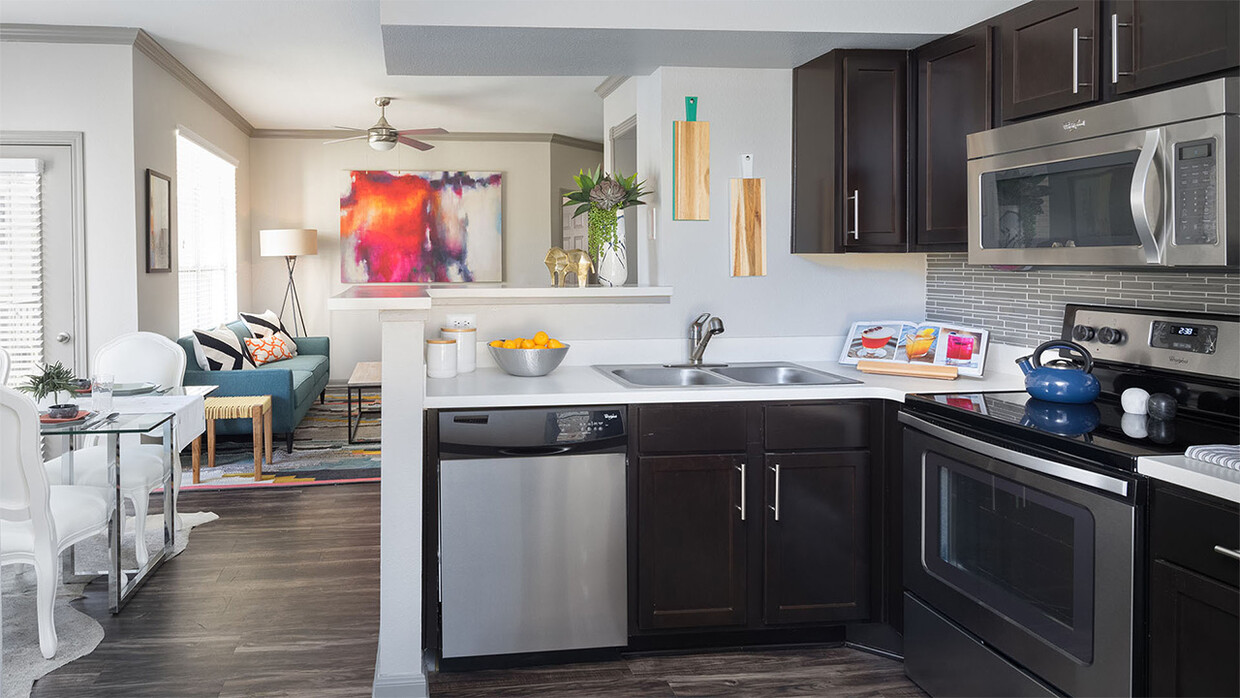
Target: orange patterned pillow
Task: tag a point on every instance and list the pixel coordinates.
(268, 349)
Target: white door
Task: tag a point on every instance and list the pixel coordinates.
(39, 273)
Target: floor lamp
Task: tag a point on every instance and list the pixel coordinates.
(290, 243)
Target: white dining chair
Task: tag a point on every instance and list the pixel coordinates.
(38, 521)
(136, 357)
(5, 362)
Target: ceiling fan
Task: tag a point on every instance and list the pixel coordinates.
(382, 136)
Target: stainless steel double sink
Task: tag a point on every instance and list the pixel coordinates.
(719, 375)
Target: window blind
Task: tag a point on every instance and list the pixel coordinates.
(207, 236)
(21, 265)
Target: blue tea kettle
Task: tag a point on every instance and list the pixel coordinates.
(1062, 380)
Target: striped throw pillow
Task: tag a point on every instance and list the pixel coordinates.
(267, 349)
(268, 324)
(220, 349)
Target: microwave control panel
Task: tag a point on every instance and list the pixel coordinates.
(1196, 193)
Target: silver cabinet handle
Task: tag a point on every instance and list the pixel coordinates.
(1233, 554)
(1076, 59)
(776, 507)
(1136, 197)
(64, 337)
(741, 468)
(856, 231)
(1115, 25)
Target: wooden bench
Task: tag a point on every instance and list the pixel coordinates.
(254, 407)
(367, 374)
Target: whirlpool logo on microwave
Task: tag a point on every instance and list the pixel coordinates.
(1073, 125)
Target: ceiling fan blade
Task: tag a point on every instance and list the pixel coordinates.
(422, 132)
(415, 144)
(350, 138)
(350, 128)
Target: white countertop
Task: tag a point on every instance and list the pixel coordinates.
(1207, 478)
(584, 385)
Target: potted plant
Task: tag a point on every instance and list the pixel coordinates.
(600, 196)
(53, 379)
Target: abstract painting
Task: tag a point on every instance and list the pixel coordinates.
(421, 227)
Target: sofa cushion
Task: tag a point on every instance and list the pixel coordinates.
(314, 364)
(267, 324)
(221, 349)
(303, 387)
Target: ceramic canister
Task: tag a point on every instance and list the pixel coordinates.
(466, 346)
(441, 358)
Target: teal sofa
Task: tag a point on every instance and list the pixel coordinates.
(293, 384)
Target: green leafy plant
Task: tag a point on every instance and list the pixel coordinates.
(600, 195)
(52, 379)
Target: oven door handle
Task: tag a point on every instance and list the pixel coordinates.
(1139, 200)
(1087, 478)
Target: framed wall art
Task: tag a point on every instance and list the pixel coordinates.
(158, 222)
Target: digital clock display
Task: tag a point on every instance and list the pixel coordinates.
(1184, 330)
(1193, 152)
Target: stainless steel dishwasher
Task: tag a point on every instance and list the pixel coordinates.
(532, 530)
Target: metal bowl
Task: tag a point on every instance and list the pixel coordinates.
(528, 362)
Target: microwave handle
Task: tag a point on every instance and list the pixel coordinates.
(1140, 184)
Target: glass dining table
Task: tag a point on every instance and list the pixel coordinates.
(123, 581)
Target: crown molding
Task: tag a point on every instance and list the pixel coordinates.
(474, 136)
(130, 36)
(609, 85)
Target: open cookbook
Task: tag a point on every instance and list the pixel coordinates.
(905, 342)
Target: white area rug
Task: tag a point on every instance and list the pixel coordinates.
(78, 633)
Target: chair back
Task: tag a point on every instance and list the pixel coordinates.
(5, 362)
(24, 491)
(142, 357)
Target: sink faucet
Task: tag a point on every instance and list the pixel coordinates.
(700, 332)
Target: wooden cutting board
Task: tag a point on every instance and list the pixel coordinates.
(917, 370)
(691, 165)
(747, 218)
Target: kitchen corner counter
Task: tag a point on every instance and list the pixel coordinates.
(1205, 478)
(584, 385)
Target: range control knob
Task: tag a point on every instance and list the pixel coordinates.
(1110, 335)
(1082, 333)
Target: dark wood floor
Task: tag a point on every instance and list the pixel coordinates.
(280, 596)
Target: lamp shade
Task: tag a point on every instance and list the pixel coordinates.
(288, 242)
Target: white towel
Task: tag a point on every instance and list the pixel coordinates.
(190, 420)
(1224, 455)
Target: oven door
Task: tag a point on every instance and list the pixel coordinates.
(1011, 549)
(1097, 202)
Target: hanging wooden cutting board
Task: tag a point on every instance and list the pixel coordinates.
(747, 219)
(691, 164)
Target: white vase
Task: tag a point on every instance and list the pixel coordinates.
(613, 264)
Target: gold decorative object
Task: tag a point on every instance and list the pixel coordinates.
(579, 263)
(557, 263)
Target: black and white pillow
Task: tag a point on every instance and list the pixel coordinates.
(221, 349)
(263, 325)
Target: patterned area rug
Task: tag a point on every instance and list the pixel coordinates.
(321, 452)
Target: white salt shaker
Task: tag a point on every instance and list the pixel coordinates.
(441, 358)
(466, 346)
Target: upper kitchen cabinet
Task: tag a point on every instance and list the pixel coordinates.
(954, 99)
(849, 153)
(1048, 57)
(1155, 42)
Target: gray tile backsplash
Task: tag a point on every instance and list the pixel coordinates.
(1026, 307)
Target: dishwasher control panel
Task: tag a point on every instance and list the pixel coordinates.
(506, 431)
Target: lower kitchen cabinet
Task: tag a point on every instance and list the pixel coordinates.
(817, 537)
(692, 542)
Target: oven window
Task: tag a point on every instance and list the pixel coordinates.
(1021, 552)
(1075, 203)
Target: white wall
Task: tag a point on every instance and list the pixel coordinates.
(161, 105)
(87, 88)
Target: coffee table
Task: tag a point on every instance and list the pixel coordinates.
(366, 374)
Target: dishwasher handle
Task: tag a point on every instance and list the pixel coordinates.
(534, 450)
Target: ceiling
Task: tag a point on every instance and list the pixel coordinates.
(527, 65)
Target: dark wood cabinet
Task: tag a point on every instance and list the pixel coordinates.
(1194, 614)
(954, 99)
(817, 537)
(692, 542)
(1049, 57)
(1155, 42)
(849, 152)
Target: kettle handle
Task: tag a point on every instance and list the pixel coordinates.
(1062, 344)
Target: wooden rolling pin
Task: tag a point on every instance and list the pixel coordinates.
(919, 370)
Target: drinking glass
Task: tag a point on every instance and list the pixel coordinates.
(101, 392)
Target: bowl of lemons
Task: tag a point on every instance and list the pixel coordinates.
(533, 356)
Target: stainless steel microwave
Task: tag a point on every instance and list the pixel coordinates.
(1145, 182)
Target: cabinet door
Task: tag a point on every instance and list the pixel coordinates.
(1194, 634)
(954, 99)
(1050, 56)
(691, 542)
(874, 149)
(1154, 42)
(816, 225)
(817, 537)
